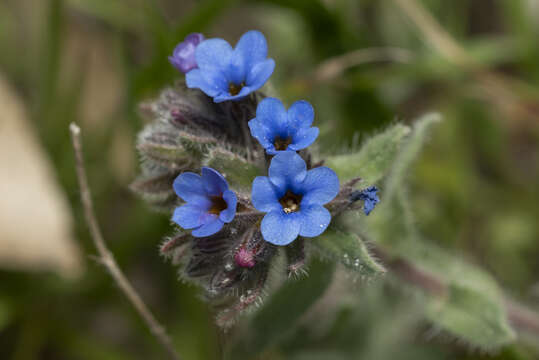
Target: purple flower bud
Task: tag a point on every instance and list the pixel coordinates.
(245, 258)
(183, 57)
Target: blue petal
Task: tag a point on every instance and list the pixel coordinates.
(214, 183)
(190, 188)
(222, 97)
(321, 185)
(300, 115)
(272, 114)
(235, 71)
(208, 228)
(225, 95)
(303, 138)
(370, 197)
(314, 220)
(259, 74)
(231, 200)
(368, 206)
(210, 81)
(287, 170)
(195, 79)
(189, 216)
(261, 132)
(271, 150)
(264, 195)
(252, 48)
(279, 228)
(213, 53)
(215, 80)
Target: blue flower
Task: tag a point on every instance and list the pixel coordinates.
(230, 74)
(210, 203)
(369, 197)
(293, 197)
(183, 56)
(279, 130)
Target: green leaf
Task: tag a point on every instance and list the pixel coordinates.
(236, 169)
(472, 309)
(282, 310)
(408, 153)
(373, 161)
(473, 304)
(348, 249)
(473, 316)
(392, 222)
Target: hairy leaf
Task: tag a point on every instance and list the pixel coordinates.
(373, 161)
(348, 249)
(392, 221)
(473, 316)
(472, 308)
(237, 170)
(408, 153)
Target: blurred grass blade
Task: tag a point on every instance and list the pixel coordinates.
(130, 15)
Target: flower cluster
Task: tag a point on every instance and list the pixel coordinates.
(258, 189)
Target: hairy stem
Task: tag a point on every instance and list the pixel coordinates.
(105, 255)
(521, 317)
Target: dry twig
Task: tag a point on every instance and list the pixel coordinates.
(106, 257)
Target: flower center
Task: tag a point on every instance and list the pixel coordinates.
(218, 204)
(282, 144)
(290, 202)
(235, 89)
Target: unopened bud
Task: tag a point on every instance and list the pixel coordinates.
(245, 258)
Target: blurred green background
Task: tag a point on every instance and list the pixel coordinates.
(363, 64)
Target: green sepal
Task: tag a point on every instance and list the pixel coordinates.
(239, 172)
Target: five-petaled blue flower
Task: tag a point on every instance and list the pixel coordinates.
(210, 203)
(370, 199)
(293, 198)
(229, 74)
(183, 56)
(279, 130)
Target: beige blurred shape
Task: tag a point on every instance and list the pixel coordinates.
(36, 225)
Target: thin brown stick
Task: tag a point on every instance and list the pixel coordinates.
(106, 257)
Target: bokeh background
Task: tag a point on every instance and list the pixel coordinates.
(364, 64)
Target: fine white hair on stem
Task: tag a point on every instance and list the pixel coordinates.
(105, 255)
